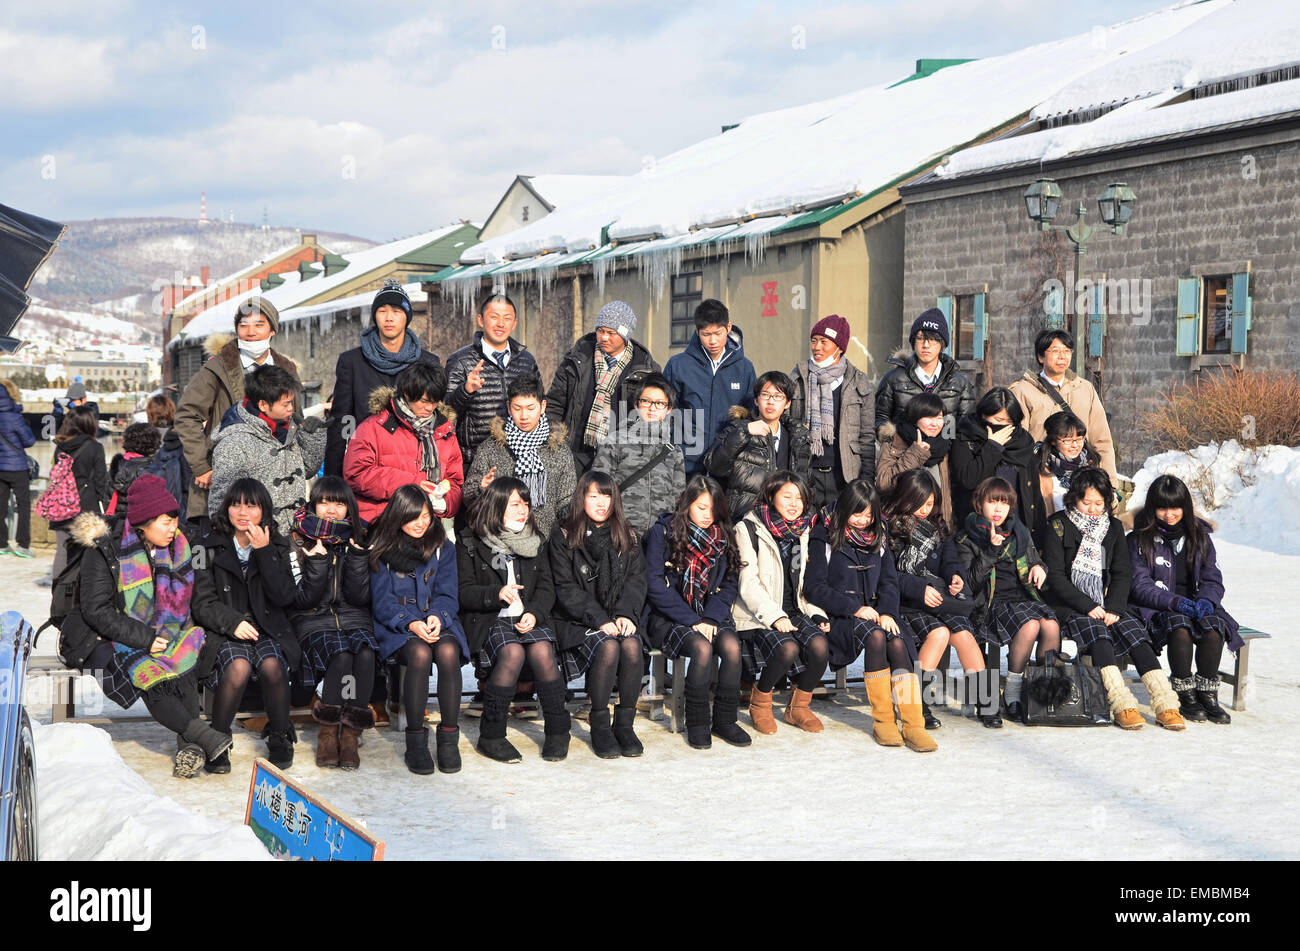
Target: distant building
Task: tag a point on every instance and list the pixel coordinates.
(100, 372)
(532, 197)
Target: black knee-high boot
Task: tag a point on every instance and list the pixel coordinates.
(697, 718)
(492, 741)
(550, 696)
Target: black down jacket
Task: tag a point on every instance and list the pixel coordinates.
(741, 461)
(475, 411)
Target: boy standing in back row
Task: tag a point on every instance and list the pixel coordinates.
(710, 376)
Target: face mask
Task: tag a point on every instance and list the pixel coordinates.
(254, 348)
(823, 364)
(514, 526)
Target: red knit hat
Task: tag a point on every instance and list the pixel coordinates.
(148, 498)
(834, 328)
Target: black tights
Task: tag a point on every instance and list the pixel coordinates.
(230, 690)
(1208, 653)
(1046, 634)
(174, 705)
(356, 671)
(621, 656)
(419, 656)
(1143, 657)
(880, 652)
(726, 646)
(815, 657)
(510, 661)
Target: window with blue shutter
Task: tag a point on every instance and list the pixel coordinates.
(945, 307)
(1241, 311)
(981, 327)
(1097, 320)
(1187, 339)
(1054, 309)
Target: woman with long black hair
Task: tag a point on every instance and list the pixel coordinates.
(240, 597)
(600, 585)
(413, 597)
(693, 564)
(506, 598)
(851, 575)
(331, 616)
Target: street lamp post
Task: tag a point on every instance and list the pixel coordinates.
(1043, 201)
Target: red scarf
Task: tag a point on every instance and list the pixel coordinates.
(703, 547)
(280, 430)
(863, 541)
(784, 529)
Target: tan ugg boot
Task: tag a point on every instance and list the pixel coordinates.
(1123, 705)
(884, 728)
(1164, 702)
(760, 711)
(907, 697)
(800, 714)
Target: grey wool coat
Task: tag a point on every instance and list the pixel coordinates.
(244, 446)
(561, 477)
(855, 436)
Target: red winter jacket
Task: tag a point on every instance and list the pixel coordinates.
(384, 455)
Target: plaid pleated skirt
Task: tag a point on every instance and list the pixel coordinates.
(1164, 623)
(319, 648)
(1125, 634)
(503, 632)
(922, 624)
(767, 642)
(255, 652)
(576, 661)
(116, 681)
(679, 634)
(1004, 618)
(849, 636)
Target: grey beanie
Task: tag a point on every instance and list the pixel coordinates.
(619, 317)
(77, 391)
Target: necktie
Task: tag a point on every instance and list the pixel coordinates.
(499, 358)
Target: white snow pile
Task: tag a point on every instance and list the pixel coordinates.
(92, 806)
(1253, 495)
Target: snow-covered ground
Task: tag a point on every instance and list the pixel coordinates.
(1102, 792)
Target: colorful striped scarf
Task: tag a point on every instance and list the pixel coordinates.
(156, 591)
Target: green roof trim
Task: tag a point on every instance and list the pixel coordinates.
(928, 67)
(442, 252)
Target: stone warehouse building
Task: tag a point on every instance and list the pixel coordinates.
(1207, 272)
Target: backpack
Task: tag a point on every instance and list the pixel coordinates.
(64, 598)
(166, 465)
(60, 501)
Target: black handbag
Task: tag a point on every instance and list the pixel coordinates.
(1063, 692)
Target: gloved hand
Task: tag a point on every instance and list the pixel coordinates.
(1204, 607)
(313, 424)
(1186, 606)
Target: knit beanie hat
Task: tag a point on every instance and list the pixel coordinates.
(148, 498)
(77, 391)
(255, 305)
(619, 317)
(932, 321)
(834, 328)
(392, 294)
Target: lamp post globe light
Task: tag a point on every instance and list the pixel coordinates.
(1043, 202)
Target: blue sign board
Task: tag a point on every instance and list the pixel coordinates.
(294, 824)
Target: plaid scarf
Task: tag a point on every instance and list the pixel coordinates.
(1085, 572)
(785, 529)
(606, 380)
(1064, 469)
(819, 413)
(279, 428)
(922, 542)
(867, 541)
(525, 448)
(424, 429)
(703, 548)
(156, 591)
(328, 531)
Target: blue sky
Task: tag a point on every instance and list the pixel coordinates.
(122, 109)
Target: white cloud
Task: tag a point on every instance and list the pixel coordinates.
(35, 71)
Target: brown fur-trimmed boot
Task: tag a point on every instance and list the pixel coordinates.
(1123, 705)
(760, 711)
(907, 697)
(1164, 702)
(799, 712)
(885, 728)
(327, 739)
(351, 722)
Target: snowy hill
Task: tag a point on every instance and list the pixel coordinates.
(112, 258)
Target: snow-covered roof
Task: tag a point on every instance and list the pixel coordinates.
(561, 190)
(1137, 121)
(220, 317)
(1234, 38)
(816, 154)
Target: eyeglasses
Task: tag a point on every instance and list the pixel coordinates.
(652, 404)
(769, 397)
(1072, 441)
(1059, 351)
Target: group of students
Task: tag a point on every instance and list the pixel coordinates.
(780, 546)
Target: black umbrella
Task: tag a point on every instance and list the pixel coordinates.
(25, 242)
